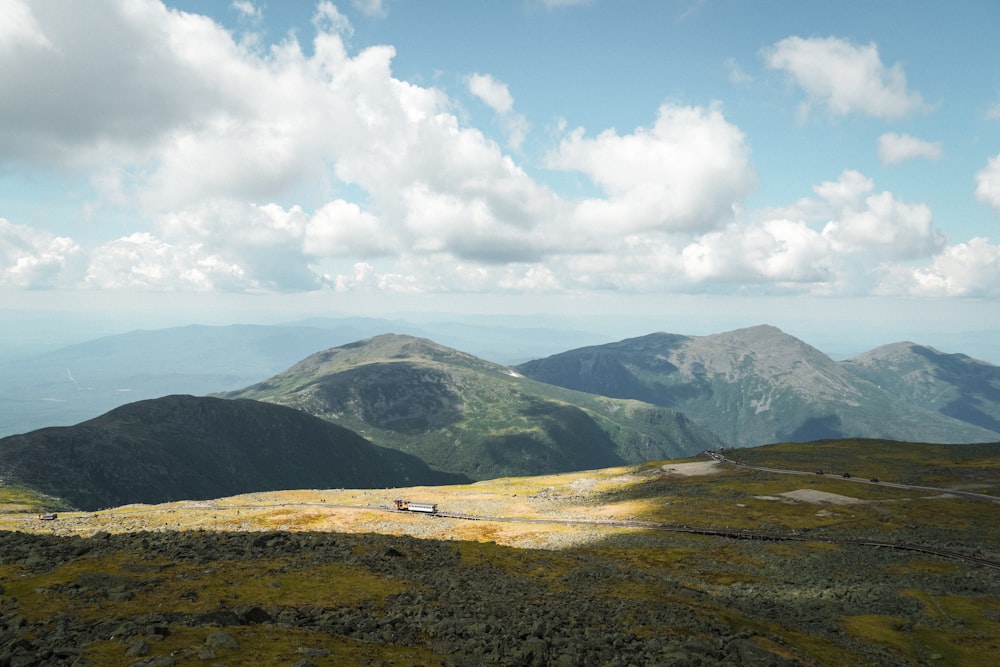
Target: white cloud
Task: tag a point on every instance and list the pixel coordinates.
(848, 79)
(988, 183)
(895, 148)
(687, 172)
(247, 9)
(373, 8)
(964, 270)
(194, 132)
(143, 261)
(494, 93)
(35, 259)
(327, 18)
(20, 28)
(342, 229)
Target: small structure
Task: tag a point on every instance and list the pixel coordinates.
(47, 517)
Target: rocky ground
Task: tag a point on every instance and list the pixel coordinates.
(206, 598)
(465, 612)
(330, 577)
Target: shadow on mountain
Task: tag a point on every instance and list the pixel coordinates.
(399, 396)
(568, 439)
(816, 428)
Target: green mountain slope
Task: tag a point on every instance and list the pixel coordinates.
(182, 447)
(952, 384)
(462, 414)
(751, 386)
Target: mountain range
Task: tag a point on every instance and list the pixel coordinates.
(759, 385)
(447, 415)
(69, 384)
(465, 415)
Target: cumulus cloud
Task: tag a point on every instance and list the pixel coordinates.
(202, 136)
(895, 148)
(686, 172)
(496, 95)
(988, 183)
(35, 259)
(963, 270)
(844, 77)
(144, 261)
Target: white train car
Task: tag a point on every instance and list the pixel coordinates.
(409, 506)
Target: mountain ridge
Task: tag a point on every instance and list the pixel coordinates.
(755, 386)
(471, 416)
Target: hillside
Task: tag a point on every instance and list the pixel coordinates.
(466, 415)
(601, 567)
(953, 384)
(750, 386)
(182, 447)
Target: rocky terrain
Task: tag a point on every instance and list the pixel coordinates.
(333, 577)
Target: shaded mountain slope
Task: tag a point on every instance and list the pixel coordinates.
(750, 386)
(467, 415)
(953, 384)
(183, 447)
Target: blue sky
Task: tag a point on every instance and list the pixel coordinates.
(812, 165)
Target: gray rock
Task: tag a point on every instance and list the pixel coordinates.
(221, 639)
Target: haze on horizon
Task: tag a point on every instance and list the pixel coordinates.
(697, 165)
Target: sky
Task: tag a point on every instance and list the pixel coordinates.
(824, 167)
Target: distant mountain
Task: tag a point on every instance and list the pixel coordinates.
(466, 415)
(955, 385)
(81, 381)
(182, 447)
(750, 386)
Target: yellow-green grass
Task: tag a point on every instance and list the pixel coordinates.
(719, 497)
(19, 499)
(265, 646)
(148, 585)
(968, 467)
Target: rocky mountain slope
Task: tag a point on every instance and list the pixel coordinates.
(953, 384)
(466, 415)
(750, 386)
(182, 447)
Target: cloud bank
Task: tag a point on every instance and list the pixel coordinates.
(209, 141)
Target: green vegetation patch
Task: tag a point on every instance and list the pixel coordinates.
(18, 498)
(127, 584)
(259, 645)
(974, 467)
